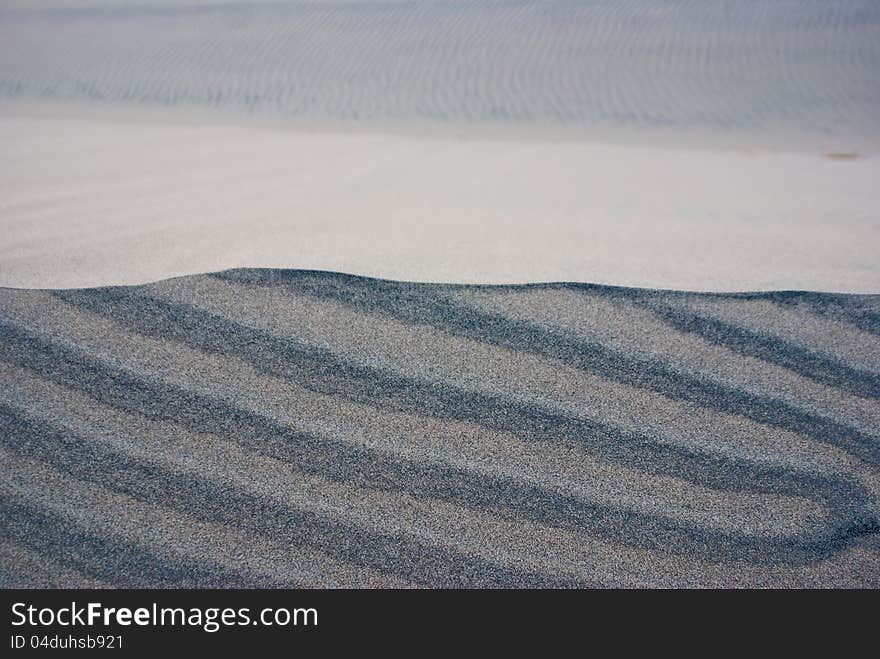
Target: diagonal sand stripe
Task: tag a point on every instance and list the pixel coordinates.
(521, 544)
(112, 514)
(624, 326)
(419, 438)
(795, 323)
(419, 304)
(775, 515)
(613, 564)
(32, 570)
(423, 353)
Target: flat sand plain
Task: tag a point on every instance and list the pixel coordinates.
(87, 202)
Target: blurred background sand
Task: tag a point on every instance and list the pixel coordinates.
(701, 146)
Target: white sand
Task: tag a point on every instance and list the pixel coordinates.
(100, 202)
(658, 144)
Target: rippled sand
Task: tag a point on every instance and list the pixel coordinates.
(395, 434)
(809, 69)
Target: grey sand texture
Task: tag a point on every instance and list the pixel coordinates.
(268, 428)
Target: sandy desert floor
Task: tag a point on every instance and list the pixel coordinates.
(397, 433)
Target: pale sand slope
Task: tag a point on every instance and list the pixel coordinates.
(86, 203)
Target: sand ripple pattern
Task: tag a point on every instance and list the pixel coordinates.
(809, 65)
(297, 428)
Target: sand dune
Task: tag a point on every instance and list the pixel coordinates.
(293, 427)
(400, 434)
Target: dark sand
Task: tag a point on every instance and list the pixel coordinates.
(296, 428)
